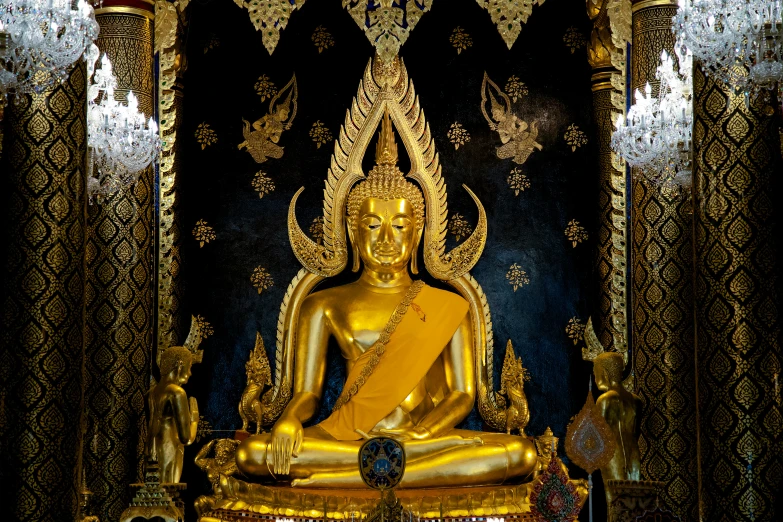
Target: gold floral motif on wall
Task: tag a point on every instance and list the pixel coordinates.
(459, 226)
(460, 40)
(263, 184)
(322, 39)
(575, 137)
(211, 42)
(509, 15)
(320, 134)
(261, 279)
(203, 429)
(517, 277)
(575, 330)
(515, 88)
(205, 136)
(203, 232)
(204, 328)
(575, 232)
(518, 138)
(264, 87)
(458, 135)
(317, 230)
(261, 140)
(270, 17)
(574, 39)
(517, 181)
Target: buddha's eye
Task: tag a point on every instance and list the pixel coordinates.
(373, 226)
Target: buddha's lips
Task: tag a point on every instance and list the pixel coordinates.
(384, 252)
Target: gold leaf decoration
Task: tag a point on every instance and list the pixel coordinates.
(261, 279)
(517, 181)
(265, 87)
(263, 184)
(517, 137)
(320, 134)
(509, 15)
(270, 17)
(575, 330)
(317, 230)
(575, 232)
(460, 40)
(575, 137)
(262, 137)
(210, 42)
(203, 429)
(204, 328)
(387, 25)
(458, 135)
(574, 39)
(205, 136)
(322, 39)
(203, 232)
(589, 440)
(515, 88)
(459, 226)
(517, 277)
(166, 22)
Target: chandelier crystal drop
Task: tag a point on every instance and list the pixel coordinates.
(40, 40)
(657, 132)
(739, 41)
(121, 143)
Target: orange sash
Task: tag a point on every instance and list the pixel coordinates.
(426, 328)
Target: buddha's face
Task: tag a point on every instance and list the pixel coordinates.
(386, 235)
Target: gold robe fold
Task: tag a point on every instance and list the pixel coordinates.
(426, 328)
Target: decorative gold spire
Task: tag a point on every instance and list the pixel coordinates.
(386, 149)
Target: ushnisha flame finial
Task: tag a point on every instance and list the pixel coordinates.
(386, 149)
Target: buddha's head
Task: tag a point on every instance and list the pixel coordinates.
(385, 213)
(176, 362)
(608, 370)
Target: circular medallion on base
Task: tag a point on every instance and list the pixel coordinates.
(382, 462)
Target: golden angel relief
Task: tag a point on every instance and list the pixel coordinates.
(518, 138)
(262, 137)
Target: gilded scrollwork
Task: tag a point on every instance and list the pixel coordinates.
(270, 17)
(261, 139)
(509, 16)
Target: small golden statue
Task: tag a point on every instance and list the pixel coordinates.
(621, 410)
(259, 377)
(512, 382)
(223, 463)
(173, 416)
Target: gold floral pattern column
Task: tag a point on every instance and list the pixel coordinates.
(662, 297)
(120, 283)
(737, 160)
(41, 336)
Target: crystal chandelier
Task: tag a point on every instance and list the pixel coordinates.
(656, 134)
(739, 41)
(40, 40)
(120, 142)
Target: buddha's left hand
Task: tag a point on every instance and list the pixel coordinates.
(403, 434)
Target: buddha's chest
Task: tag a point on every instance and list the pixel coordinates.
(358, 325)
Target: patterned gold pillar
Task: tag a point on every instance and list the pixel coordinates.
(662, 290)
(120, 283)
(737, 215)
(41, 336)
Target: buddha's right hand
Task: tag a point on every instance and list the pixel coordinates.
(287, 436)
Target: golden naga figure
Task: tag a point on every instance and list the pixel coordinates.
(259, 377)
(621, 410)
(173, 416)
(418, 358)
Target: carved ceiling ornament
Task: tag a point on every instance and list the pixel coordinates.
(270, 17)
(509, 15)
(387, 23)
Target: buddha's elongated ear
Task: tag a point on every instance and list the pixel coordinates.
(354, 249)
(414, 255)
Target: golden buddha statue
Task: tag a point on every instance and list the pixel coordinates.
(409, 352)
(621, 410)
(173, 416)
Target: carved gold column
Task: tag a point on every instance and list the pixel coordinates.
(611, 325)
(41, 336)
(662, 297)
(737, 165)
(120, 282)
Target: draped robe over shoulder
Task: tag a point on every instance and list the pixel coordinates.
(427, 326)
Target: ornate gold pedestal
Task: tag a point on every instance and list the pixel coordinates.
(631, 498)
(251, 502)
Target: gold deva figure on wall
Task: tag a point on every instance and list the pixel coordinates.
(385, 321)
(621, 410)
(518, 138)
(261, 141)
(173, 416)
